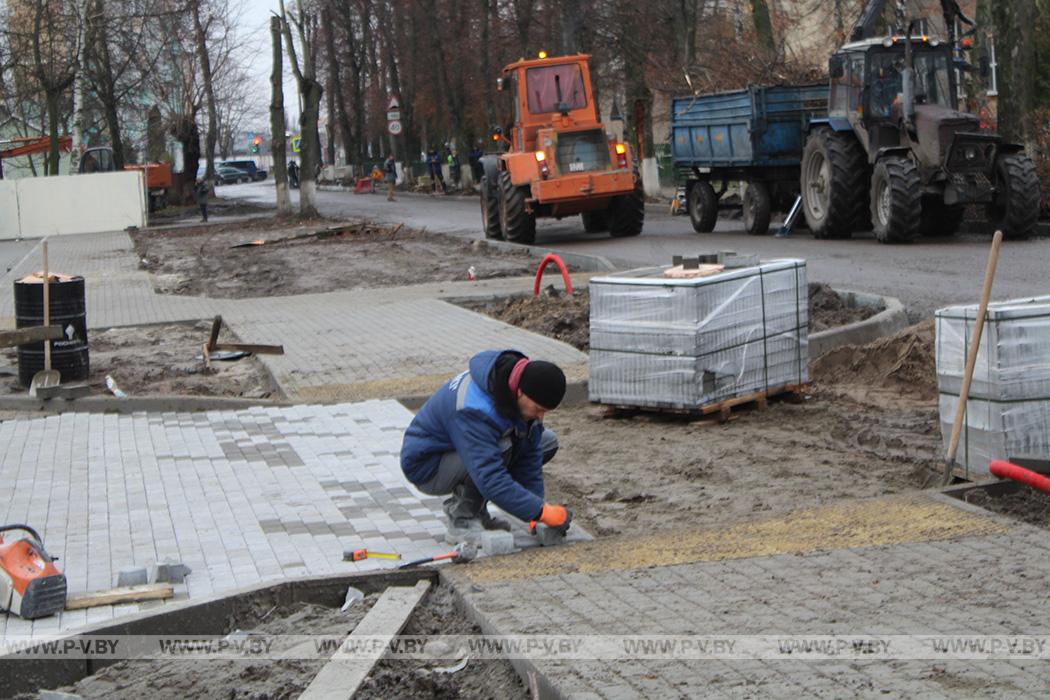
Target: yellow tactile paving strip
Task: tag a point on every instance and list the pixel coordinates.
(869, 523)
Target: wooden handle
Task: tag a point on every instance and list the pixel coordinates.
(975, 345)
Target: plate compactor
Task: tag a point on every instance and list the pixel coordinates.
(31, 586)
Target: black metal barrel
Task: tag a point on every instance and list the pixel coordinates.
(69, 354)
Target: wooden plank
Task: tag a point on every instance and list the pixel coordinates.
(213, 338)
(344, 673)
(249, 347)
(126, 594)
(32, 334)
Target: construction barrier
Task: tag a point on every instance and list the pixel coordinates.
(35, 207)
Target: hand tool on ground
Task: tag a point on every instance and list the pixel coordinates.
(359, 554)
(31, 586)
(462, 553)
(971, 359)
(46, 377)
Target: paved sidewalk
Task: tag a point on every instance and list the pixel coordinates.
(894, 566)
(345, 345)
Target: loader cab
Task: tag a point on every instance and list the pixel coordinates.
(547, 93)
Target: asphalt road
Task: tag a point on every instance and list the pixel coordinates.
(925, 275)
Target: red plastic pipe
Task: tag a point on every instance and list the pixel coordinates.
(552, 258)
(1008, 470)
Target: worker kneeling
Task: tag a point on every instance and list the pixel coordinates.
(481, 438)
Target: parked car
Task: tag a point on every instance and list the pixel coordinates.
(247, 166)
(227, 176)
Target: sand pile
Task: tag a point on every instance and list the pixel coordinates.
(904, 362)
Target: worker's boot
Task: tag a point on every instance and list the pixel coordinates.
(468, 514)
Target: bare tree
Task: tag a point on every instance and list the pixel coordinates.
(277, 121)
(310, 90)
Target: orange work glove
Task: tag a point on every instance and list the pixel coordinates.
(555, 517)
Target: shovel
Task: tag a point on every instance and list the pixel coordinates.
(46, 377)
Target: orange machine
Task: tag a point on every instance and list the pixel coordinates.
(559, 162)
(31, 586)
(29, 145)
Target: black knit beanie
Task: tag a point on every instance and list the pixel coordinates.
(544, 383)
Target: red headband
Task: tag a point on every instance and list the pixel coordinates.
(515, 374)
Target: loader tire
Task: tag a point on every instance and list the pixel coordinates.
(1015, 209)
(627, 212)
(938, 219)
(702, 204)
(516, 222)
(595, 221)
(896, 200)
(490, 210)
(834, 184)
(757, 208)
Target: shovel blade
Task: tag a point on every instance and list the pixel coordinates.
(44, 378)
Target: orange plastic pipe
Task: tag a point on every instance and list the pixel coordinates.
(552, 258)
(1008, 470)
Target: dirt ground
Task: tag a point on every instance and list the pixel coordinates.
(274, 257)
(285, 679)
(567, 318)
(160, 360)
(859, 433)
(1025, 504)
(480, 679)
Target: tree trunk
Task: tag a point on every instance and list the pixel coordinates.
(355, 123)
(311, 148)
(53, 154)
(487, 76)
(209, 89)
(277, 125)
(335, 94)
(154, 136)
(188, 135)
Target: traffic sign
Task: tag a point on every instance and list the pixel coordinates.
(393, 115)
(394, 127)
(393, 104)
(296, 143)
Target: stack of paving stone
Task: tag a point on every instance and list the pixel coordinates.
(1008, 411)
(665, 343)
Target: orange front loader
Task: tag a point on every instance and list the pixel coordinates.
(31, 586)
(559, 162)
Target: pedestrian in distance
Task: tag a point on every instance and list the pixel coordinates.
(455, 168)
(390, 175)
(481, 438)
(200, 195)
(474, 158)
(293, 174)
(434, 169)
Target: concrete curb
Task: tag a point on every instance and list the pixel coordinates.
(585, 263)
(153, 404)
(887, 322)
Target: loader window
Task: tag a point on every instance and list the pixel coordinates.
(546, 84)
(932, 84)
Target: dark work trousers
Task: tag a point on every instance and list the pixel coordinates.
(452, 478)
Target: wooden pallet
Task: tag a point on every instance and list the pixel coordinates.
(723, 409)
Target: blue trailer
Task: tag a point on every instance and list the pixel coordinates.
(754, 136)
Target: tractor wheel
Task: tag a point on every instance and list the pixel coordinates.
(516, 222)
(834, 191)
(490, 210)
(896, 200)
(757, 206)
(938, 219)
(703, 207)
(1015, 210)
(626, 213)
(595, 221)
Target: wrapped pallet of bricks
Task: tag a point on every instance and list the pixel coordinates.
(689, 343)
(1008, 411)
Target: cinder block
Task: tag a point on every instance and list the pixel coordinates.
(132, 576)
(497, 542)
(171, 571)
